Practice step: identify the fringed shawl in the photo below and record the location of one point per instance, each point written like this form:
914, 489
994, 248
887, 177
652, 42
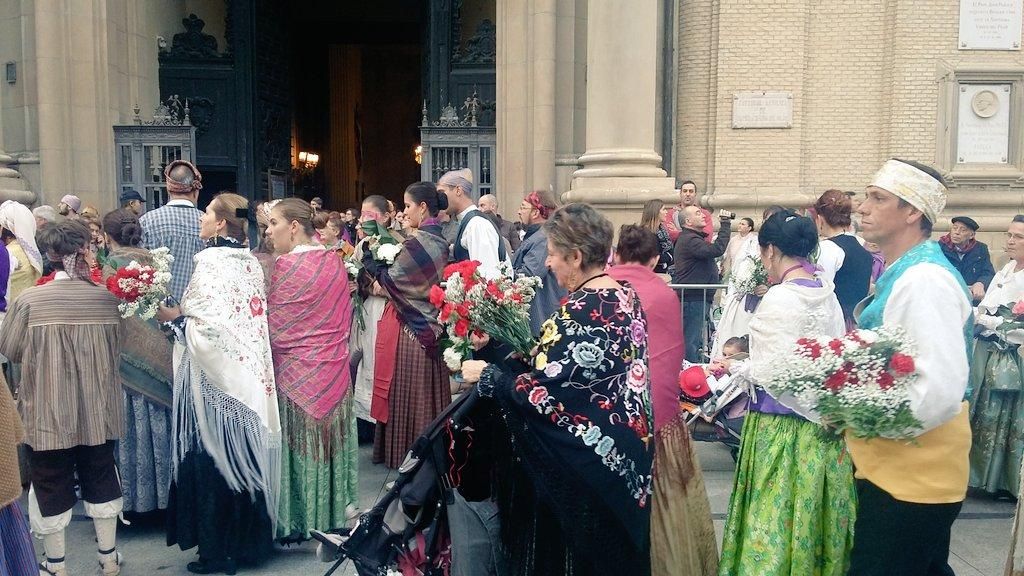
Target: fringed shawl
225, 401
310, 320
581, 426
416, 268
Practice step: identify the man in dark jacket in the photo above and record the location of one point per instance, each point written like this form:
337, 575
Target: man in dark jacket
968, 256
695, 264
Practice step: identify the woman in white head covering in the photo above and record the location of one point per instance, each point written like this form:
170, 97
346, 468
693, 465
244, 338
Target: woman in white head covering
18, 233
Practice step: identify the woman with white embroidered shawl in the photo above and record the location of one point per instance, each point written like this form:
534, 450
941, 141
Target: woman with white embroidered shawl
226, 425
19, 234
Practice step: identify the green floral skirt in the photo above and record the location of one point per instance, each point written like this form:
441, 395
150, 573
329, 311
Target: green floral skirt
793, 503
997, 419
319, 471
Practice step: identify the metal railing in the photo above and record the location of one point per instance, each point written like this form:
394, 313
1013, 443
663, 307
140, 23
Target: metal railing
698, 346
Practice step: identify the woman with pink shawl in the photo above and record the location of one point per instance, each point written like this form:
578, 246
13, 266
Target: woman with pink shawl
682, 535
310, 315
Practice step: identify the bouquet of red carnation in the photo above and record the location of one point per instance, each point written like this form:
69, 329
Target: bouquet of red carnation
468, 303
859, 383
141, 288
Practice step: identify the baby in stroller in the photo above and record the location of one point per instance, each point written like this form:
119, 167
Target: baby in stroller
715, 400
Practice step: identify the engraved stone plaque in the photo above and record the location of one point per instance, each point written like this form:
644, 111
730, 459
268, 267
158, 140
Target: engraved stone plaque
990, 24
762, 110
983, 124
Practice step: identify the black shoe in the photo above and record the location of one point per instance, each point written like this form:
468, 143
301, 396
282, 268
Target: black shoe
212, 567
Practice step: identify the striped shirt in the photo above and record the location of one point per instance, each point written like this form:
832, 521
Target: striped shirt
67, 336
176, 226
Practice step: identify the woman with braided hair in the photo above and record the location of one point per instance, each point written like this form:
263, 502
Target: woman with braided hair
144, 453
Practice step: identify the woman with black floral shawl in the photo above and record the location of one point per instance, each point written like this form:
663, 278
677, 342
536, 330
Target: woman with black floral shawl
576, 500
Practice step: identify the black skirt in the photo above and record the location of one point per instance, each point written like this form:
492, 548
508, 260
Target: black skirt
203, 511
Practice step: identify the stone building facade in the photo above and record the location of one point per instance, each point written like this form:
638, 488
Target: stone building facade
606, 101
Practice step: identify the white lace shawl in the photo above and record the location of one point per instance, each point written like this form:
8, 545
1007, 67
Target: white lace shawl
224, 389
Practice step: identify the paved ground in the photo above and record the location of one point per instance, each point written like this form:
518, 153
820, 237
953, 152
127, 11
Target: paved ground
980, 536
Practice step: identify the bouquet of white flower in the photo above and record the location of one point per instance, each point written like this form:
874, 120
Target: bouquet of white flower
859, 383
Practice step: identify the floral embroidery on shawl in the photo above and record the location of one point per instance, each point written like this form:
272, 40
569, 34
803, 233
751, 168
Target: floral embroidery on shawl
591, 380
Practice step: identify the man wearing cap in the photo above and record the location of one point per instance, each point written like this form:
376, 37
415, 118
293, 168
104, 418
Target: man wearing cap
132, 200
968, 256
477, 238
69, 205
910, 492
176, 224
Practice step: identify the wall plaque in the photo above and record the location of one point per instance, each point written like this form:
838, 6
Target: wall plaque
983, 124
990, 24
762, 110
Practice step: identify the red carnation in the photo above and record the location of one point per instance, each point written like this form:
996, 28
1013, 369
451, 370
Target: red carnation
493, 290
463, 309
446, 313
901, 364
436, 296
836, 381
811, 348
462, 328
885, 380
836, 345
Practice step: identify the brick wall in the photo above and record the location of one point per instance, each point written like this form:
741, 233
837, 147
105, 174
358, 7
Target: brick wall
865, 76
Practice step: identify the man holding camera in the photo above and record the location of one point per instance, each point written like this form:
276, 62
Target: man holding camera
695, 264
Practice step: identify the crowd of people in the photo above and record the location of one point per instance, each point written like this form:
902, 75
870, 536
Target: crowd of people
235, 415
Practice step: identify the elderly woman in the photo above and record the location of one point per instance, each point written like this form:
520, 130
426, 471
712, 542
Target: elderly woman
410, 383
310, 315
226, 426
682, 535
144, 453
997, 410
793, 502
577, 498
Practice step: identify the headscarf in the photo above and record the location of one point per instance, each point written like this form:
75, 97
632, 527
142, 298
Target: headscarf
459, 179
175, 187
914, 186
17, 218
534, 199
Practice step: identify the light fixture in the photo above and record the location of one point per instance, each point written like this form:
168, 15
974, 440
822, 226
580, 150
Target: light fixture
418, 153
308, 160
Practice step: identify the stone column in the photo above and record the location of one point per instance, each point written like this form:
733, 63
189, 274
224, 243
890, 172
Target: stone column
621, 168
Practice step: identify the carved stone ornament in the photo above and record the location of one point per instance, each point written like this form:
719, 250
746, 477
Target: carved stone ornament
482, 47
171, 112
985, 104
193, 44
202, 113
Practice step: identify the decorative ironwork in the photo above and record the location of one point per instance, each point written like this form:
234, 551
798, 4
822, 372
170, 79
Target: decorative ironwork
170, 112
472, 108
193, 44
450, 118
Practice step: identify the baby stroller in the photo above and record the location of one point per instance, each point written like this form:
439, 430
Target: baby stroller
407, 529
714, 415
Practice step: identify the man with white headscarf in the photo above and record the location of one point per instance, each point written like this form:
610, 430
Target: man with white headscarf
477, 238
18, 232
910, 492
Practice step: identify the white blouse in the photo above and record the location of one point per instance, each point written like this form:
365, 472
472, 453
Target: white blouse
1007, 287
